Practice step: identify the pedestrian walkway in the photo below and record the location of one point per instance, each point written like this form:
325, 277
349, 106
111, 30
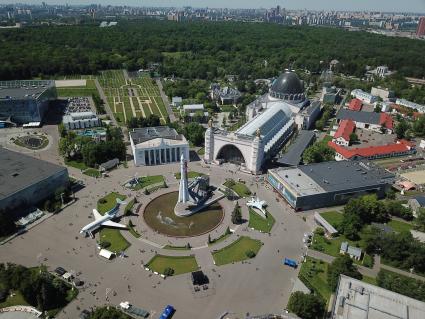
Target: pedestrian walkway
369, 272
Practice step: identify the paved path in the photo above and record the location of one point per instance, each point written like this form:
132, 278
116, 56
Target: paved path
166, 101
370, 272
260, 285
105, 100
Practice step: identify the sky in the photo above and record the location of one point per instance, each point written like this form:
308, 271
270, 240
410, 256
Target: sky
352, 5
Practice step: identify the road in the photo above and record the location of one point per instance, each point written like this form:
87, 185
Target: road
166, 101
105, 100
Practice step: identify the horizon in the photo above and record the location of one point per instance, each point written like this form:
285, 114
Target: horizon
410, 6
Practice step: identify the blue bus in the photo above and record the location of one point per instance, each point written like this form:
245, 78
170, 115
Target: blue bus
168, 312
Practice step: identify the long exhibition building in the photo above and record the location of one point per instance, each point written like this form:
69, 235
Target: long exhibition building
26, 101
271, 121
27, 181
329, 183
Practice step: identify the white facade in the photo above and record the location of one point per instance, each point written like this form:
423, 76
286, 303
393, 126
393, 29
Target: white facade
411, 105
159, 150
81, 120
254, 142
384, 94
364, 96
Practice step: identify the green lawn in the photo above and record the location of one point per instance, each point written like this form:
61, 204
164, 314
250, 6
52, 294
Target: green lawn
114, 237
400, 226
260, 223
218, 239
110, 202
190, 174
76, 164
133, 231
313, 274
170, 247
236, 251
92, 172
76, 91
201, 151
333, 217
148, 180
17, 300
239, 188
180, 264
333, 245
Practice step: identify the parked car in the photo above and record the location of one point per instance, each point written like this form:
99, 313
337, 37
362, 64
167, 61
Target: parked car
60, 271
168, 312
85, 314
290, 262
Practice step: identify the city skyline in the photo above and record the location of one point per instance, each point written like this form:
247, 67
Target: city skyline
417, 6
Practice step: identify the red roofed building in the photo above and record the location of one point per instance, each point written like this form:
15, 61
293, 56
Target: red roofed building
401, 148
386, 121
342, 135
355, 105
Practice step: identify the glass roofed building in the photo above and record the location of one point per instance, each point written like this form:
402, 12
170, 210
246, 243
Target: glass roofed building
256, 141
271, 119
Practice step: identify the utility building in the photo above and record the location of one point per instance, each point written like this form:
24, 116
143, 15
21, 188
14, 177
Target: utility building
26, 101
26, 181
329, 183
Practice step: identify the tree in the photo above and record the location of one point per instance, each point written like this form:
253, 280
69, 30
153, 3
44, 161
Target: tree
168, 271
62, 130
378, 108
194, 132
401, 129
306, 306
420, 219
342, 265
108, 313
236, 214
7, 225
353, 138
318, 152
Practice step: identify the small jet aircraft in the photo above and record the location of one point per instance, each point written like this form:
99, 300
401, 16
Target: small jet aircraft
105, 220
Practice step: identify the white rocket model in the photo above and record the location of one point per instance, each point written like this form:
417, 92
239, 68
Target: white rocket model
183, 188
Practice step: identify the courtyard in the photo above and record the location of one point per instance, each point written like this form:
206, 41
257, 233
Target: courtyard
260, 280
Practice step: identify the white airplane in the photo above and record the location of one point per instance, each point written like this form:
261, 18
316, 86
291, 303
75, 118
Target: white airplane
105, 220
258, 204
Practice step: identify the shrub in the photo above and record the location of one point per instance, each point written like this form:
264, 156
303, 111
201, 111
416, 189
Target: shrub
168, 271
105, 244
250, 254
319, 231
102, 201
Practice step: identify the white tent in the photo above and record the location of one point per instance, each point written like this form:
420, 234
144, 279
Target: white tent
106, 254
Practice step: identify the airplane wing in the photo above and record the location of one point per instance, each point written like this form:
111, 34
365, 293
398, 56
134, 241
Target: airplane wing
110, 223
96, 214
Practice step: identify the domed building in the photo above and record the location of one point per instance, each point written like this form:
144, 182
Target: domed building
288, 87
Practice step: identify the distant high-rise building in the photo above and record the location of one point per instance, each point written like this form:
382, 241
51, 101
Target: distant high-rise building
420, 31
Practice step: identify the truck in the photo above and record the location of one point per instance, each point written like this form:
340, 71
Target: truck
290, 262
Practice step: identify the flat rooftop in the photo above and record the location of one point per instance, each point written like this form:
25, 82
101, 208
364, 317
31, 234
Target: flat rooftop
295, 151
16, 90
358, 300
18, 171
140, 135
333, 176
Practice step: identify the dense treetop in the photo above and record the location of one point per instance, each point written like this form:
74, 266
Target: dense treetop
202, 50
